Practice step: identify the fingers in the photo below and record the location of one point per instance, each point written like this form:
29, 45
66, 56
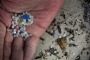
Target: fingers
5, 18
17, 49
2, 35
30, 47
7, 46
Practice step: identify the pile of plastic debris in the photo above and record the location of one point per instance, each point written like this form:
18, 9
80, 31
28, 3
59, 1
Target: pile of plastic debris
20, 22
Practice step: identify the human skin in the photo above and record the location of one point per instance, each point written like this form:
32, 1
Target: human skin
43, 11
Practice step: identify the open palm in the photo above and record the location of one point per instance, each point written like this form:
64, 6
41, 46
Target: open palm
43, 12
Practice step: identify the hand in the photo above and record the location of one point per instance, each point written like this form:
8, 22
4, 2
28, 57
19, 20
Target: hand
43, 12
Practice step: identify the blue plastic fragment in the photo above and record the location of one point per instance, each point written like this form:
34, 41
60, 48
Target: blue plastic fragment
25, 17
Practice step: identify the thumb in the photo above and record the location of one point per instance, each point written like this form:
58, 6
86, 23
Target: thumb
19, 5
2, 35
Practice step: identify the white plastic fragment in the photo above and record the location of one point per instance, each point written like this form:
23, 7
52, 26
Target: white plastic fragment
14, 31
55, 51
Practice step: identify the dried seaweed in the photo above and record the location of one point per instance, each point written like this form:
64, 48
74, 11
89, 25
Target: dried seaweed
82, 26
40, 55
63, 15
69, 30
78, 57
72, 45
42, 39
59, 29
